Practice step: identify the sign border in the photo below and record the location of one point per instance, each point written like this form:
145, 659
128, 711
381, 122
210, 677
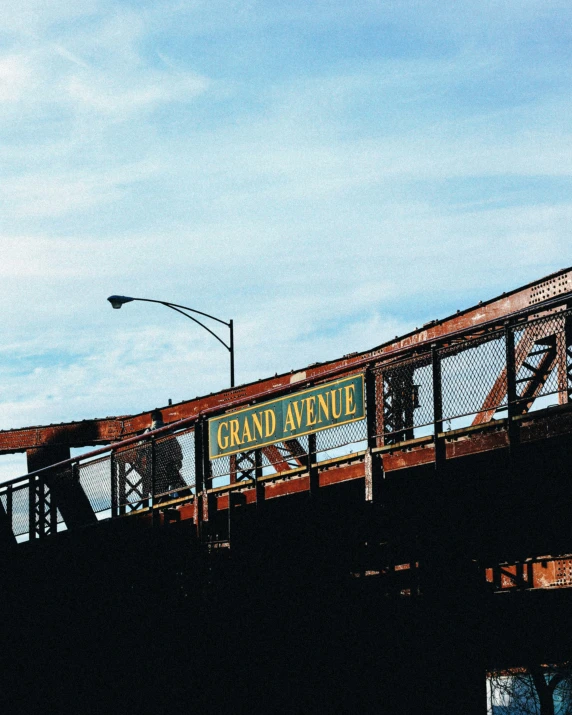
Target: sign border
280, 399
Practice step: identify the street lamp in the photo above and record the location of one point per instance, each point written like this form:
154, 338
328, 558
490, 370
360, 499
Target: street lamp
118, 300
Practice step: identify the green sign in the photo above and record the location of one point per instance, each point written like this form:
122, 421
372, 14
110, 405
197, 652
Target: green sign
329, 405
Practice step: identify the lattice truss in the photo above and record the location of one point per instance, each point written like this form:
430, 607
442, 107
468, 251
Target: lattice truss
132, 481
44, 512
404, 398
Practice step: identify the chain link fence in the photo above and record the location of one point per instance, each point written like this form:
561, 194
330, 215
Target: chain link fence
155, 470
479, 376
473, 377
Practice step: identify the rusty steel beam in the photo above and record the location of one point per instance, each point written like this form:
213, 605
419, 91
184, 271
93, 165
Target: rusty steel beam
545, 572
103, 431
276, 458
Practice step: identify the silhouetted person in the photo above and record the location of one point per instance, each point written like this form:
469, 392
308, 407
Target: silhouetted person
135, 468
168, 462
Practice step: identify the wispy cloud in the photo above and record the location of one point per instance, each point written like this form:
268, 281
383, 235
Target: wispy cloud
327, 174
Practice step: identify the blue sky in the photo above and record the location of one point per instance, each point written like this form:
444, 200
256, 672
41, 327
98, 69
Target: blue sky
328, 174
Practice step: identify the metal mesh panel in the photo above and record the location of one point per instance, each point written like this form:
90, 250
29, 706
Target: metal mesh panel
473, 377
187, 443
169, 459
331, 440
220, 467
95, 478
20, 514
407, 389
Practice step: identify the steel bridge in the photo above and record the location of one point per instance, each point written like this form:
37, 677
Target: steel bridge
431, 535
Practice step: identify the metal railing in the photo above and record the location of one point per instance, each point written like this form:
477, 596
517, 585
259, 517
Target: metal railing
496, 370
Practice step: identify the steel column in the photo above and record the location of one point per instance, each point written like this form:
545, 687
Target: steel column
437, 407
372, 461
511, 392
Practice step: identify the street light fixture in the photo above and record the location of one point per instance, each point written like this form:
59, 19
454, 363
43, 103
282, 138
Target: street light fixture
118, 300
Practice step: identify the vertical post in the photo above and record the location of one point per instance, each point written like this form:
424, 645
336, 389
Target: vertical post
32, 507
511, 393
202, 469
113, 478
231, 326
260, 493
371, 461
206, 471
9, 504
122, 487
312, 466
371, 408
53, 516
6, 527
440, 453
41, 507
199, 480
565, 362
153, 481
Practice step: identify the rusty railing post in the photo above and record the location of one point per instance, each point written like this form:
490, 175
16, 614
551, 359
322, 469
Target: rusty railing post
31, 507
439, 442
313, 474
154, 516
511, 393
9, 505
260, 493
53, 514
372, 462
113, 478
199, 475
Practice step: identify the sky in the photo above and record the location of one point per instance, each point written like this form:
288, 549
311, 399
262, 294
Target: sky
327, 174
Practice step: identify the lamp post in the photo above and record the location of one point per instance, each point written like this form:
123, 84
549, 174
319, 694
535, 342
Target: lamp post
118, 300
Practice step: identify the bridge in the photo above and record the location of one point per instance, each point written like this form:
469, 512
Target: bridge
369, 534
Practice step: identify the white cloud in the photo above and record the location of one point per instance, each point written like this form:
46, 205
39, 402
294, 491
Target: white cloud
15, 78
119, 97
325, 208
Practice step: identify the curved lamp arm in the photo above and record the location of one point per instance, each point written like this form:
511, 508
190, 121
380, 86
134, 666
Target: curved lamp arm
118, 300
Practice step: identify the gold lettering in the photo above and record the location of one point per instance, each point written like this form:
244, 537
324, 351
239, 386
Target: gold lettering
246, 436
289, 422
299, 413
324, 407
257, 425
350, 399
270, 418
234, 438
222, 442
310, 411
337, 414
